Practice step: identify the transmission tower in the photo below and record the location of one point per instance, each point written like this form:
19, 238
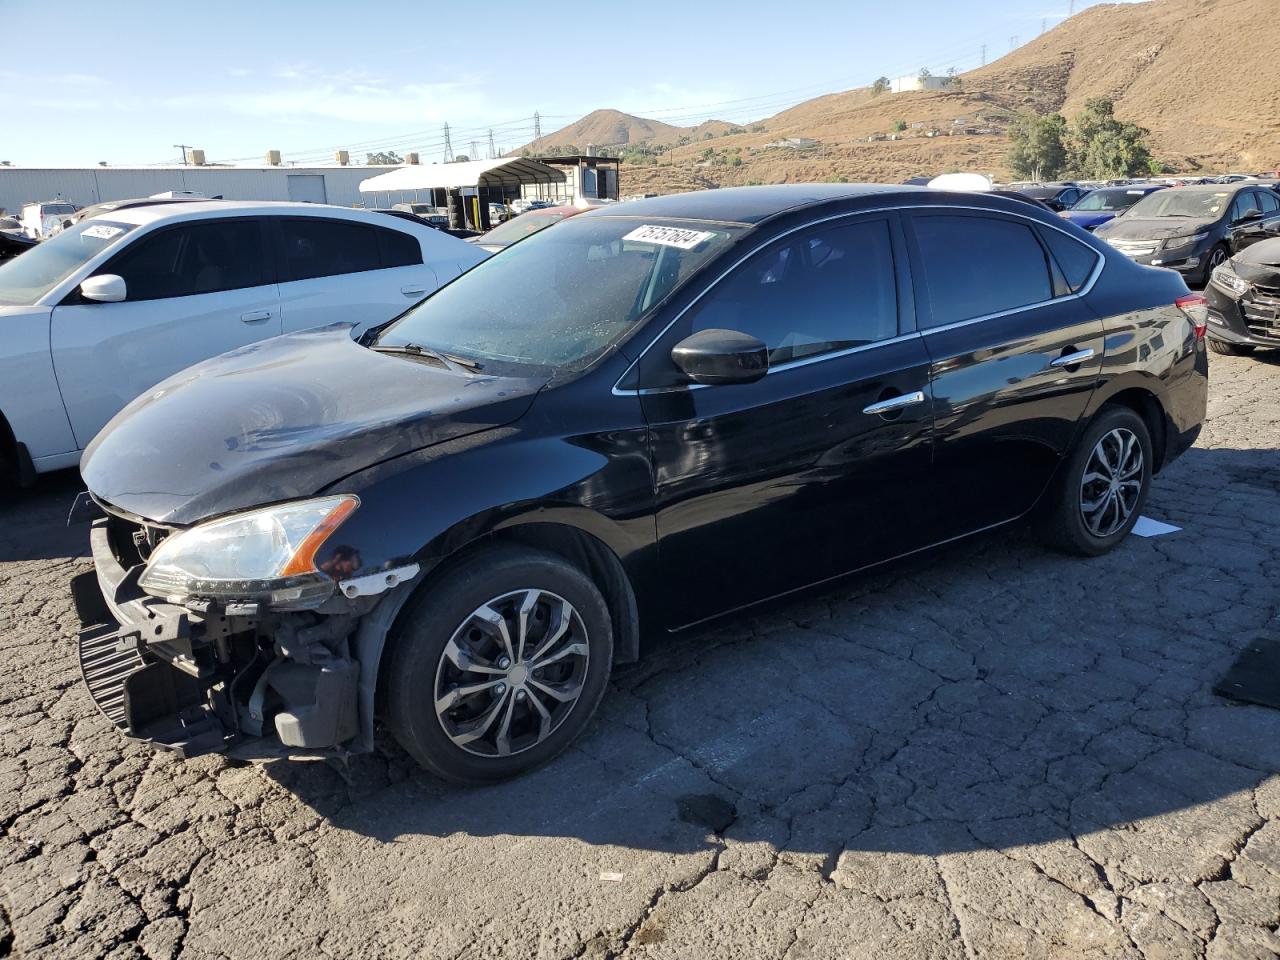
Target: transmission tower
475, 154
448, 146
1071, 8
1044, 24
1013, 43
537, 125
984, 54
492, 154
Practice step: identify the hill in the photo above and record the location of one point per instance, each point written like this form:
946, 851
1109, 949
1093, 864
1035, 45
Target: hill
1196, 73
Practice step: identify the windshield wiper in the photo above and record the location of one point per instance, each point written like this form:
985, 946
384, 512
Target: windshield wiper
417, 350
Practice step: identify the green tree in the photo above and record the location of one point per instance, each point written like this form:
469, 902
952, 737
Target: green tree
953, 79
925, 74
461, 158
383, 159
1037, 149
880, 86
1100, 146
735, 161
899, 126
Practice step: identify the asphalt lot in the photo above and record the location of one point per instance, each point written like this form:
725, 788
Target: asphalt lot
992, 752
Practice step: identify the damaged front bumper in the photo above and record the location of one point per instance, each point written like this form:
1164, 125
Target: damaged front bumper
209, 678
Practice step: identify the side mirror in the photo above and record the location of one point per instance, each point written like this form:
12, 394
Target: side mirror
1253, 213
105, 288
721, 356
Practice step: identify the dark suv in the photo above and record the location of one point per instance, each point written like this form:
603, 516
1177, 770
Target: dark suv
1195, 229
654, 414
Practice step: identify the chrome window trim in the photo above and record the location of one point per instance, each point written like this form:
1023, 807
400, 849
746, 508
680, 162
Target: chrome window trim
1099, 266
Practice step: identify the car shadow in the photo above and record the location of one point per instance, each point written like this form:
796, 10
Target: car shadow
989, 695
33, 521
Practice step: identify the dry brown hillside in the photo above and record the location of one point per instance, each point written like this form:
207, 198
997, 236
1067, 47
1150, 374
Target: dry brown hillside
1202, 75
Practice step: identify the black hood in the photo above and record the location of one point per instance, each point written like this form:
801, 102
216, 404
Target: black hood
1153, 228
282, 419
1259, 263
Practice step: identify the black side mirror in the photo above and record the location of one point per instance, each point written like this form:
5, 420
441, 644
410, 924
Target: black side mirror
721, 356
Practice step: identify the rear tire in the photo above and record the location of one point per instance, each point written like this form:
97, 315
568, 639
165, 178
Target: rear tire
1230, 349
1101, 488
473, 707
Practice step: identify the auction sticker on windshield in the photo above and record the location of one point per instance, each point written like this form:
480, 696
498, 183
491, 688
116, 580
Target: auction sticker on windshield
100, 231
669, 236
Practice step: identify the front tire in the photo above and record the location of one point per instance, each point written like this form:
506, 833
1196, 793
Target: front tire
499, 665
1230, 349
1101, 488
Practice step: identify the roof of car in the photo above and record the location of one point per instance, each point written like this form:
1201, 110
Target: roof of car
753, 204
195, 208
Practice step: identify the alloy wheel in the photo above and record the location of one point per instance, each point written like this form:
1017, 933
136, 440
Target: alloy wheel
1112, 482
511, 673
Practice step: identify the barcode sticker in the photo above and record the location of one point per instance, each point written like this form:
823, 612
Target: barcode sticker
669, 236
100, 231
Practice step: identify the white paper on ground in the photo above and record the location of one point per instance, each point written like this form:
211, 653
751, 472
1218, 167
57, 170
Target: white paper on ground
1146, 527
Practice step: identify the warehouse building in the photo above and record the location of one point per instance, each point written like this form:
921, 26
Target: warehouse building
85, 185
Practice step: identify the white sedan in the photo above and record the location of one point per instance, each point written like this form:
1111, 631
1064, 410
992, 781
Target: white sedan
100, 313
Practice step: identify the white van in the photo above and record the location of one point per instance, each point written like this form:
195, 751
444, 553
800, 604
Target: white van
38, 219
111, 306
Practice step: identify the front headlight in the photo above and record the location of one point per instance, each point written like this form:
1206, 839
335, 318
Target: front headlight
1181, 243
266, 555
1228, 279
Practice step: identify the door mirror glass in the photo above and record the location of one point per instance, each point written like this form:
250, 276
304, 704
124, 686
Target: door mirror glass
721, 356
104, 288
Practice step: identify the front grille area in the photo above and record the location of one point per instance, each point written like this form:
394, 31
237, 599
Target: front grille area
106, 661
1261, 312
1135, 248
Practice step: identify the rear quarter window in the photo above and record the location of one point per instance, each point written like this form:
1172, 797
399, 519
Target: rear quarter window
1075, 260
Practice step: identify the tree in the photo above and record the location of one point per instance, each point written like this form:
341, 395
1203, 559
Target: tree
880, 86
461, 158
925, 74
899, 126
383, 159
1037, 150
1101, 147
953, 79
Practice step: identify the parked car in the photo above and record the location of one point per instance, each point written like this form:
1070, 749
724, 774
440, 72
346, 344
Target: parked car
1055, 196
13, 239
1244, 300
434, 221
499, 238
647, 416
38, 219
108, 308
1195, 229
109, 206
1105, 204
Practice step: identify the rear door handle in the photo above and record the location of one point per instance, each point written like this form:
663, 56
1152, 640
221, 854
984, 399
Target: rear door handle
255, 316
893, 404
413, 290
1072, 359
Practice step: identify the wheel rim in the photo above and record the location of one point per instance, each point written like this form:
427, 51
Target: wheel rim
1112, 482
1217, 258
511, 673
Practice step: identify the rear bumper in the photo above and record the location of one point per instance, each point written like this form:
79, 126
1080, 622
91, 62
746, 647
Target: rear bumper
211, 682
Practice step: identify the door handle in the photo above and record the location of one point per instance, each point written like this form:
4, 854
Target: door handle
413, 291
255, 316
894, 404
1072, 359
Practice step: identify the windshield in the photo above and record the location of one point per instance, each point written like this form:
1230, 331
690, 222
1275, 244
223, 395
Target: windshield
563, 296
521, 227
25, 279
1201, 204
1109, 200
53, 209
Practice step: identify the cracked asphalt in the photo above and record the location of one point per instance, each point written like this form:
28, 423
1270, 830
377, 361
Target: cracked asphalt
990, 752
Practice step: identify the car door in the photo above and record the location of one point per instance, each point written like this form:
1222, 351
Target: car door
1014, 352
765, 487
1247, 223
347, 271
192, 291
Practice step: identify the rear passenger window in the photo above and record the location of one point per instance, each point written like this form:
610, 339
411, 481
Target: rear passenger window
977, 266
326, 248
1270, 203
1074, 259
821, 291
399, 249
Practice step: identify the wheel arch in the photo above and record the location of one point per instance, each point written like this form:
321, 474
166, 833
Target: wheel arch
1147, 405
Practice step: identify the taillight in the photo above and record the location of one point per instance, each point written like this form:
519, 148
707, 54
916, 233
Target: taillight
1196, 307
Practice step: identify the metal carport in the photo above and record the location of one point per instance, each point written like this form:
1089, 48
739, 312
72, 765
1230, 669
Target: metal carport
484, 180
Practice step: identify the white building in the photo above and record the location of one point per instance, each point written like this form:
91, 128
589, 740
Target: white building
916, 82
85, 185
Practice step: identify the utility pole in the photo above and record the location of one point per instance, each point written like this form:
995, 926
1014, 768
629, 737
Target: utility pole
185, 147
1044, 24
1013, 43
1071, 8
492, 154
448, 146
984, 54
537, 125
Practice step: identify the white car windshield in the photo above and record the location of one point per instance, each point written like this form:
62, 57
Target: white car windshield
561, 297
27, 278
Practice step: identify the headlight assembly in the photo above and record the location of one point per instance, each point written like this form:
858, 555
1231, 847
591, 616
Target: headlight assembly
266, 555
1181, 243
1227, 278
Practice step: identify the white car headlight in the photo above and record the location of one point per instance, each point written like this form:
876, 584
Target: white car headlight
1227, 278
1178, 243
266, 555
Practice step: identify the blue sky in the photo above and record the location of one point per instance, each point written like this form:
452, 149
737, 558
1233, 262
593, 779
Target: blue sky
125, 80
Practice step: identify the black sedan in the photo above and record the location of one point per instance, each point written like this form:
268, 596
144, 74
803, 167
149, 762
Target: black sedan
1194, 230
656, 413
1244, 301
1056, 196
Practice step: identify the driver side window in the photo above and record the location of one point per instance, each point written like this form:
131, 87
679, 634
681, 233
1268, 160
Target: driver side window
816, 292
